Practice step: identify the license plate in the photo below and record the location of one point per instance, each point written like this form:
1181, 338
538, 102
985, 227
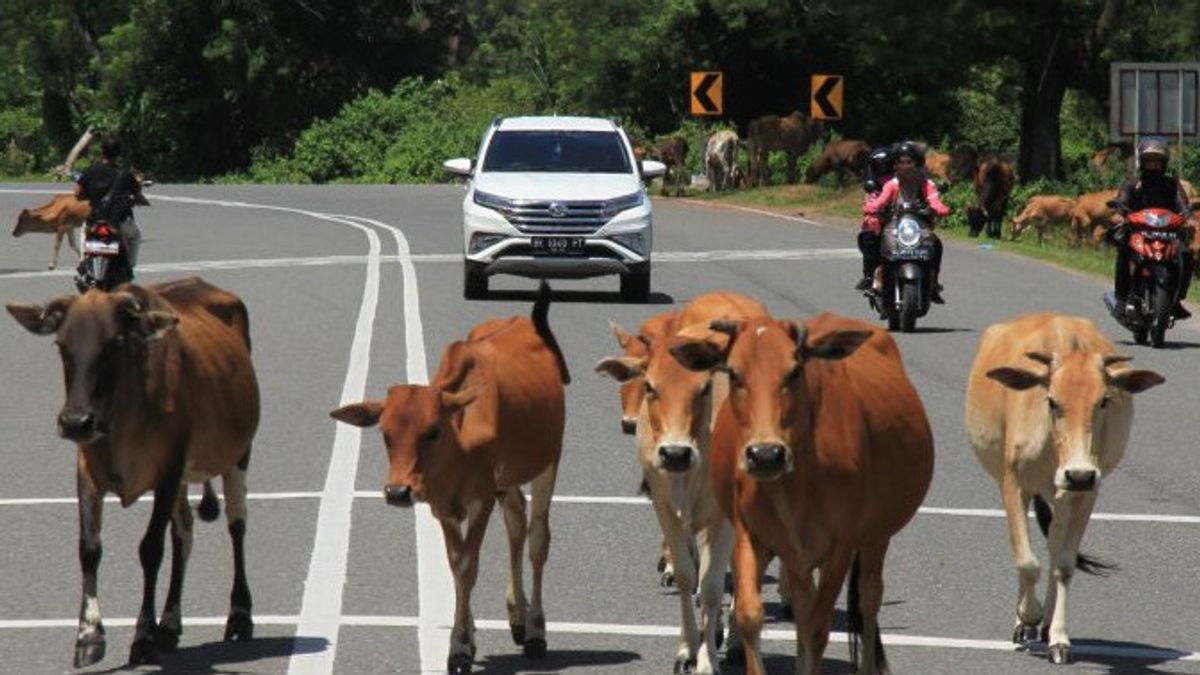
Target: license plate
558, 245
96, 247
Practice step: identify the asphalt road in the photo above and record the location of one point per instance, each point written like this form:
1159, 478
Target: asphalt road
369, 596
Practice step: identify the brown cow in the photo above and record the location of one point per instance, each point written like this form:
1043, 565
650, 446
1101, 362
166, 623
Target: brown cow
937, 165
1048, 415
60, 217
821, 454
993, 185
674, 426
792, 134
673, 153
160, 391
1089, 218
1040, 211
491, 420
846, 157
1114, 157
637, 347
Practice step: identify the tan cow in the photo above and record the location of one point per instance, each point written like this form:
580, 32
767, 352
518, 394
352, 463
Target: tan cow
674, 425
1089, 218
848, 158
1049, 409
637, 346
60, 217
1040, 211
160, 390
821, 454
491, 420
937, 165
792, 134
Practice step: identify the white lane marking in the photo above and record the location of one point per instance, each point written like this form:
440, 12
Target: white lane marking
644, 630
639, 501
762, 212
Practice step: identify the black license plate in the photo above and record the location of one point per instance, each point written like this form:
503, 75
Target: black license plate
558, 245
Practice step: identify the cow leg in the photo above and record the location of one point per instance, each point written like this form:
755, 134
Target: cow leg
150, 552
716, 546
666, 566
89, 644
463, 553
541, 490
748, 564
513, 503
678, 535
812, 633
870, 600
791, 168
58, 237
239, 626
1066, 534
170, 624
1016, 506
72, 233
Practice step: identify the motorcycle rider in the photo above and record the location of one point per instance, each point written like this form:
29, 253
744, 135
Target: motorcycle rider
909, 162
879, 172
1151, 187
112, 192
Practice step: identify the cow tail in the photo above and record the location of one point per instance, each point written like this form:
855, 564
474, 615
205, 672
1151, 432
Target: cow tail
1084, 563
854, 616
209, 507
541, 307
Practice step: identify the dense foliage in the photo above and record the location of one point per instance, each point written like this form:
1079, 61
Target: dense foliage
377, 90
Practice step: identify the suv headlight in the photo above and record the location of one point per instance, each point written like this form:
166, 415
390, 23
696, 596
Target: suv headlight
492, 201
632, 241
614, 206
908, 232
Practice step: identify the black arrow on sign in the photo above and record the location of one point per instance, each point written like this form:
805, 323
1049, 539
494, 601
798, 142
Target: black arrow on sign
821, 96
701, 93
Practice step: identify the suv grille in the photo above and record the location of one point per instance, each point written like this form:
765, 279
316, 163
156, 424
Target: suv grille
565, 218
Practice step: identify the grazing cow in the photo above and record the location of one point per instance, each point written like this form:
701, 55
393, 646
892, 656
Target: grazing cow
1048, 416
673, 430
993, 185
846, 157
160, 391
1114, 156
821, 454
1091, 211
792, 134
937, 165
1040, 211
720, 160
60, 217
491, 420
672, 152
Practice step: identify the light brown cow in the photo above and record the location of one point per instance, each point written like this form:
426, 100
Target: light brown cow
637, 347
1048, 415
937, 165
792, 134
846, 157
160, 390
1091, 211
720, 160
674, 426
821, 454
491, 420
1040, 212
60, 217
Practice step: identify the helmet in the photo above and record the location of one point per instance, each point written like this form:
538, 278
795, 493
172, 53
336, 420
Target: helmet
880, 161
911, 150
1153, 146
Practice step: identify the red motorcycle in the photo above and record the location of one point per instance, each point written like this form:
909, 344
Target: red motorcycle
1157, 239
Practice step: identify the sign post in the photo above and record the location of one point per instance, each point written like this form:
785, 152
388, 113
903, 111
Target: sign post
1158, 99
706, 95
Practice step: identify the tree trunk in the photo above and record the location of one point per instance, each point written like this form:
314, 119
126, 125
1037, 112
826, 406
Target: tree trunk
1041, 141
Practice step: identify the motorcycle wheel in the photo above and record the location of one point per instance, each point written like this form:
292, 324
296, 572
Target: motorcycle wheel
910, 304
1162, 316
893, 322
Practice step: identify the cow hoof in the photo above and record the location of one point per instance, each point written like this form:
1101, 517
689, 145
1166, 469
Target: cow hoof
50, 266
89, 650
239, 627
667, 579
1026, 632
458, 664
735, 655
684, 666
1059, 654
535, 648
166, 638
518, 634
662, 564
143, 652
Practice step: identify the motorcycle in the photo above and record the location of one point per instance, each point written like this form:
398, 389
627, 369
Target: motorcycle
103, 263
1156, 240
907, 248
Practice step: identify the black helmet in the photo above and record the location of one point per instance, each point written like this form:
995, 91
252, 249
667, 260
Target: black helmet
1153, 146
911, 150
880, 161
110, 146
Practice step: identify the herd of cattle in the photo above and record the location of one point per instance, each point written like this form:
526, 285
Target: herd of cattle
759, 438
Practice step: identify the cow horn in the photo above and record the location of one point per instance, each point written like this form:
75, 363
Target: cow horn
801, 336
1044, 358
726, 326
1113, 359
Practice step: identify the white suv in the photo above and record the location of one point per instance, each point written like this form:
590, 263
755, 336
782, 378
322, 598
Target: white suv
556, 197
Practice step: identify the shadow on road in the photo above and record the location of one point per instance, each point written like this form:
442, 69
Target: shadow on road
217, 656
934, 330
1171, 345
1100, 652
595, 297
556, 661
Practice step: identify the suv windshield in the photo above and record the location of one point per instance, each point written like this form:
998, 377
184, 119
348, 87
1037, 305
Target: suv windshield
557, 152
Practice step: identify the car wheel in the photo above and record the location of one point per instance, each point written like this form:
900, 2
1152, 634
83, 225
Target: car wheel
635, 286
475, 281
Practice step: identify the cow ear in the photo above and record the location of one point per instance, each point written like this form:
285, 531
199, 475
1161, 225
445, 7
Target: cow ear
832, 346
622, 335
41, 320
155, 323
621, 368
1136, 381
477, 398
1017, 379
697, 354
364, 414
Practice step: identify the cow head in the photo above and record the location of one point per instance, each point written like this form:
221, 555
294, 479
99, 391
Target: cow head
428, 428
764, 359
1084, 392
23, 221
636, 348
676, 407
111, 349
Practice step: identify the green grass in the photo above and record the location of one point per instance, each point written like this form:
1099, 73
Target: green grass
26, 178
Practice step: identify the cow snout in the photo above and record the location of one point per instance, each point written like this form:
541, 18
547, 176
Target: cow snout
766, 460
675, 458
398, 495
77, 426
1080, 480
628, 426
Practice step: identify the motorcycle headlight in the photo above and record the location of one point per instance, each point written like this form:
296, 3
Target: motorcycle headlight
908, 232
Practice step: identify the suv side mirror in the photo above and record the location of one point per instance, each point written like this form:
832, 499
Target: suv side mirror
460, 166
652, 169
